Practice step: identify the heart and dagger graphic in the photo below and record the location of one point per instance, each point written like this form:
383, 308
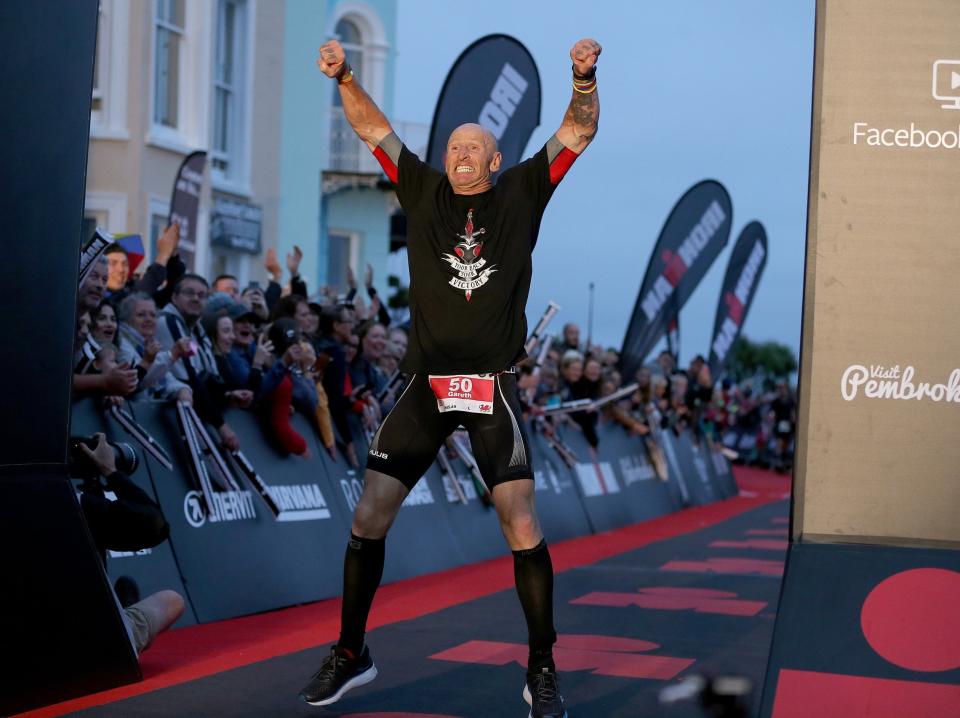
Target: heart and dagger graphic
466, 260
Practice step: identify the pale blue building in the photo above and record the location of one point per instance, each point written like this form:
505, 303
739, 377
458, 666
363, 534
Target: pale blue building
335, 202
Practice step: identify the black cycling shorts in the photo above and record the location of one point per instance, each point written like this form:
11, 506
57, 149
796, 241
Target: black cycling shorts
411, 435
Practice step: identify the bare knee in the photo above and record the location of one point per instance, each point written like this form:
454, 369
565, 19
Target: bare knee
369, 521
521, 528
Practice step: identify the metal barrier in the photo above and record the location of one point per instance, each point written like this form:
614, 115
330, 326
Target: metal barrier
238, 558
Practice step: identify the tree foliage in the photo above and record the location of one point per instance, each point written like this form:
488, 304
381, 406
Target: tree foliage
770, 358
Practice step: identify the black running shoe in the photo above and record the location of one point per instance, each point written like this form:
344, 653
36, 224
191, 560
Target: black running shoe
338, 674
543, 695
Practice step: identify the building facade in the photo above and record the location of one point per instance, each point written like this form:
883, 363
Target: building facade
237, 78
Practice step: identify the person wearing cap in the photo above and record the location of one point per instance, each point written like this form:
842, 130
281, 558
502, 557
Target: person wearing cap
220, 318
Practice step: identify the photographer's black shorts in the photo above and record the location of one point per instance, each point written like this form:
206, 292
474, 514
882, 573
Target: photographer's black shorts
410, 436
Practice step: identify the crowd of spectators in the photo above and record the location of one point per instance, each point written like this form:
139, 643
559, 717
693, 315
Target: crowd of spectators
170, 335
753, 421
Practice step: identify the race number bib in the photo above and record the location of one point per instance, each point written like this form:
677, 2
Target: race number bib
463, 392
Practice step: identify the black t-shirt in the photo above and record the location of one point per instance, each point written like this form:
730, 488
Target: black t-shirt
470, 265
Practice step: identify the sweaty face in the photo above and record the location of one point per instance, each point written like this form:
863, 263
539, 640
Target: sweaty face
471, 159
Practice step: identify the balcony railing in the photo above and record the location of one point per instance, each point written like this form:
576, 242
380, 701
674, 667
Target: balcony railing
349, 154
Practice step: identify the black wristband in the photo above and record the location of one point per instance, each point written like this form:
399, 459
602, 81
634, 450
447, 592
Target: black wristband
584, 78
344, 70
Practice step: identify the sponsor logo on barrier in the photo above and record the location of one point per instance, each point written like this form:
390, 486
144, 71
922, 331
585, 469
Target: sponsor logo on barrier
419, 496
469, 490
880, 382
303, 502
597, 479
546, 479
506, 94
700, 466
227, 506
635, 469
946, 90
352, 491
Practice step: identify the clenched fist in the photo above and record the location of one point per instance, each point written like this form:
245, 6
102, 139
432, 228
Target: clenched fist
331, 59
584, 55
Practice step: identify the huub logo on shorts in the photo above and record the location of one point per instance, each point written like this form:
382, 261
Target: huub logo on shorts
466, 261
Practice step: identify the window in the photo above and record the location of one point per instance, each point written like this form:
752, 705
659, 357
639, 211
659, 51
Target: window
352, 41
363, 37
168, 40
343, 252
108, 106
228, 88
100, 65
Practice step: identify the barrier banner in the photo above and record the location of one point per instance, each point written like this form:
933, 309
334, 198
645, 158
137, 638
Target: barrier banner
693, 481
240, 559
597, 483
746, 264
419, 541
646, 495
494, 83
153, 568
475, 527
691, 239
721, 474
560, 508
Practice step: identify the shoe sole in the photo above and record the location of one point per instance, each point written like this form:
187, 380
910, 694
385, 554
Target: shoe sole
358, 680
529, 699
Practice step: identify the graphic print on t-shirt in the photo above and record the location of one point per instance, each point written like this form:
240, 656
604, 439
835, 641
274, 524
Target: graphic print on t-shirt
467, 262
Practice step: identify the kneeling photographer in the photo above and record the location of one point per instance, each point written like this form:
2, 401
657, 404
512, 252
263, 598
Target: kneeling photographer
123, 517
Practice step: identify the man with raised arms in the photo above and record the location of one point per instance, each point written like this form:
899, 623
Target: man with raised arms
469, 248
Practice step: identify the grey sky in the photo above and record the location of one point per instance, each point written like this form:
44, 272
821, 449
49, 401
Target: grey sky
689, 90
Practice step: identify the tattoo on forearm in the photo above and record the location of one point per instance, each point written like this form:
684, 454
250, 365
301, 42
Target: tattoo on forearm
583, 112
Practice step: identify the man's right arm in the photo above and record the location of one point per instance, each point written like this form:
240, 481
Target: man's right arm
367, 120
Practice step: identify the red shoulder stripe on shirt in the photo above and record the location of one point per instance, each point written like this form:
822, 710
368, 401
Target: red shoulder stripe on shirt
561, 163
388, 165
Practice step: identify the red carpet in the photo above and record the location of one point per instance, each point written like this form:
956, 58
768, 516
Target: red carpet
190, 653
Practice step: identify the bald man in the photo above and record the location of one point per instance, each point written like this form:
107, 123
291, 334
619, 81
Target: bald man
469, 247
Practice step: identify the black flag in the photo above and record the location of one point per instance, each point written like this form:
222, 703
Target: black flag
185, 201
747, 261
692, 237
494, 83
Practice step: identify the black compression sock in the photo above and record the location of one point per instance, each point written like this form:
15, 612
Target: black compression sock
533, 573
362, 571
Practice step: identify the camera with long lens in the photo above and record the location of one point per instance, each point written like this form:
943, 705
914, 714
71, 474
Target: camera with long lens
81, 466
